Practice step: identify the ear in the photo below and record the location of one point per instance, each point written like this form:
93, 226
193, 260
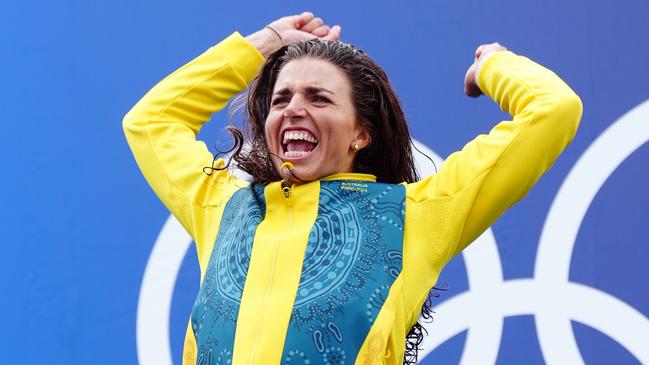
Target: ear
362, 138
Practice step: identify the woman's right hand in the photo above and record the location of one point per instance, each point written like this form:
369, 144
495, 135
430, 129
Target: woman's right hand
291, 29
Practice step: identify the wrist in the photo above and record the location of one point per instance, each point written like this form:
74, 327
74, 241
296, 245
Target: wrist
481, 61
266, 41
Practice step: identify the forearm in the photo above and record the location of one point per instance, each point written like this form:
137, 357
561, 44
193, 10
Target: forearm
266, 41
522, 87
189, 95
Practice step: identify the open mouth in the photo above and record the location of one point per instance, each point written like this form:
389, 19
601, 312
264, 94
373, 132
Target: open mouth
298, 143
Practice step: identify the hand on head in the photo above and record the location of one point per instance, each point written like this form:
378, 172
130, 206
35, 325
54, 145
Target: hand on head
470, 86
291, 29
304, 26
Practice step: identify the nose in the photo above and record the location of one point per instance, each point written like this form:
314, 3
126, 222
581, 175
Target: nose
295, 107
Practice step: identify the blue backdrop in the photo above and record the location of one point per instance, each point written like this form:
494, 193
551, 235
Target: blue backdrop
560, 278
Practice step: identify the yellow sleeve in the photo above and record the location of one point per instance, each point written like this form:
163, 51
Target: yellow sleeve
498, 169
161, 131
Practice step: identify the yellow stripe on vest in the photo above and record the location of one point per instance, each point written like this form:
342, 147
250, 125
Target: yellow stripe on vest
274, 273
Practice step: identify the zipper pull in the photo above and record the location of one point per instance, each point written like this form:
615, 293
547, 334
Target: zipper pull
286, 189
286, 184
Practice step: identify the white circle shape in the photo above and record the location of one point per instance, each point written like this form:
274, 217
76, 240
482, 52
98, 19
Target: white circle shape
156, 294
550, 296
618, 320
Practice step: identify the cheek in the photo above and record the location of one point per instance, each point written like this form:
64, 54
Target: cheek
270, 128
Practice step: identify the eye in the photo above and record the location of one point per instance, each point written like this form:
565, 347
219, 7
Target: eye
279, 100
321, 99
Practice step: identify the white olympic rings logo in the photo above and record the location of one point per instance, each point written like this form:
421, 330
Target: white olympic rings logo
490, 299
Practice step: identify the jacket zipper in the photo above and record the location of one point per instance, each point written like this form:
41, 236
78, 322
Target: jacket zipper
287, 190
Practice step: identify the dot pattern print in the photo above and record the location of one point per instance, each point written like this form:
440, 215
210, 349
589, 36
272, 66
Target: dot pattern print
216, 308
353, 256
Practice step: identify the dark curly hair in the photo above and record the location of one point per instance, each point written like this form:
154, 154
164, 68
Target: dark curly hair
377, 107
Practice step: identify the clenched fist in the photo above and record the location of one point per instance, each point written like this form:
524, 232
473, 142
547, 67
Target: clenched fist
291, 29
470, 86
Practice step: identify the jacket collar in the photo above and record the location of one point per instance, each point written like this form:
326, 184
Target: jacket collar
350, 176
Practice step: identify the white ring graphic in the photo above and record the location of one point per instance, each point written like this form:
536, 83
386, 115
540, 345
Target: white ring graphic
568, 301
156, 293
628, 327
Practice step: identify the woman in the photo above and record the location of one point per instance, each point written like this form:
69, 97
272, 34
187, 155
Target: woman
329, 255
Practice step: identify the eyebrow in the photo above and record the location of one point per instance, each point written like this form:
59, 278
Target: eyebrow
309, 90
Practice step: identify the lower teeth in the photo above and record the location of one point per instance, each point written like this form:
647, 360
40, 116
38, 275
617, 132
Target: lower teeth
294, 154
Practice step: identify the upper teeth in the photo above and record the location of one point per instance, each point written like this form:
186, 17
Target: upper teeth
297, 136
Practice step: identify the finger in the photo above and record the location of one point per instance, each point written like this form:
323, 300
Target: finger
478, 52
501, 47
321, 31
302, 19
311, 25
470, 87
494, 47
334, 33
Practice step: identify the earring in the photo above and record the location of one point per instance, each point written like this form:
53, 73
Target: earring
356, 147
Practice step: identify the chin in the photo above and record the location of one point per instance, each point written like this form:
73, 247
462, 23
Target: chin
305, 168
304, 174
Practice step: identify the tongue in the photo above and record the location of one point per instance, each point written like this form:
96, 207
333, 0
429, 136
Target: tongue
300, 146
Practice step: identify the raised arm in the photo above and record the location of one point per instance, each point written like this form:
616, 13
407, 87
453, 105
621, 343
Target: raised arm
494, 171
161, 128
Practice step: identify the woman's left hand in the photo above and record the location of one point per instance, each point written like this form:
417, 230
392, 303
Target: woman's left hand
470, 86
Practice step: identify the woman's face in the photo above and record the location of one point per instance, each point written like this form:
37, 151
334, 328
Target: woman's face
312, 121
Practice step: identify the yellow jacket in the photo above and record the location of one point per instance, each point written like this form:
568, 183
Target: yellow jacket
338, 272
